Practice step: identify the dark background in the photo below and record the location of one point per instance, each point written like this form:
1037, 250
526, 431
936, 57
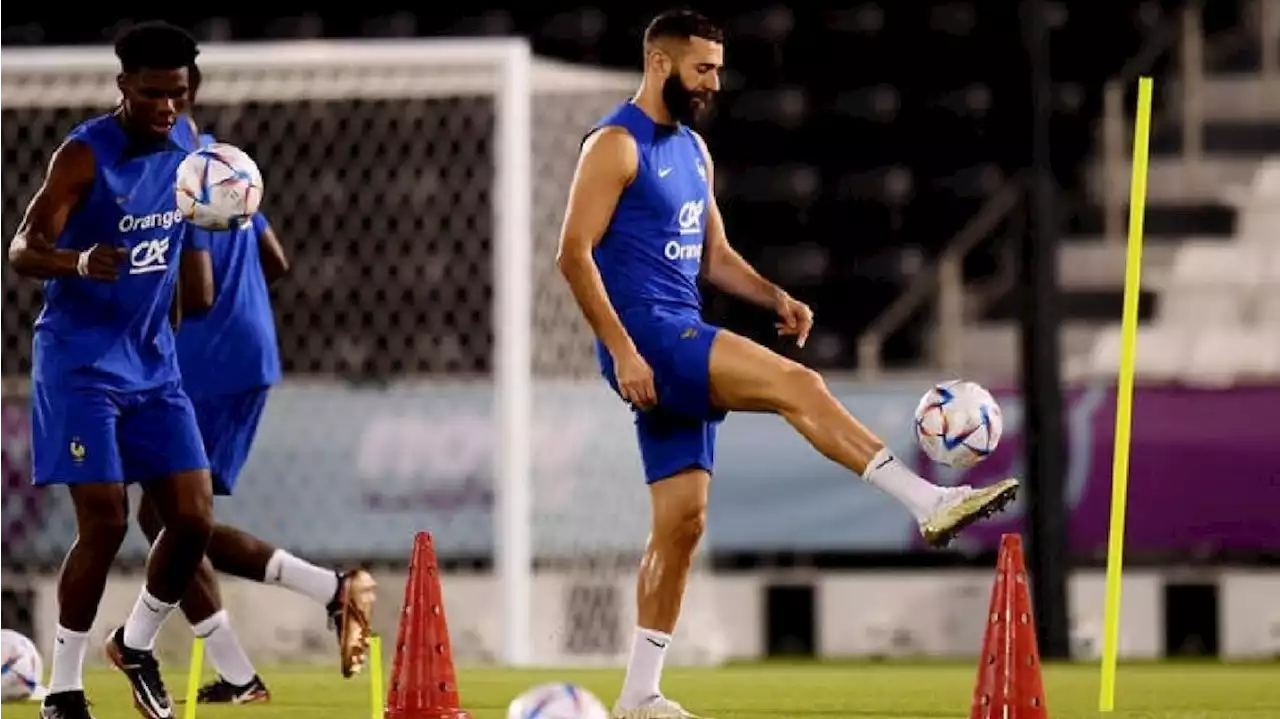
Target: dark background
853, 141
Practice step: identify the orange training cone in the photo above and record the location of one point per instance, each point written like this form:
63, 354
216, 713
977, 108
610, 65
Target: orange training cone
423, 683
1009, 682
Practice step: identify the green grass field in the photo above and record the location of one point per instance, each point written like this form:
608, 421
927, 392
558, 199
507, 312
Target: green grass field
830, 691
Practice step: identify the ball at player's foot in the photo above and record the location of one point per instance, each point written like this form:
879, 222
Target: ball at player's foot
958, 423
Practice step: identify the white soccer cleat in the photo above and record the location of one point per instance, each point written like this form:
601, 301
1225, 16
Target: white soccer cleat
655, 707
964, 505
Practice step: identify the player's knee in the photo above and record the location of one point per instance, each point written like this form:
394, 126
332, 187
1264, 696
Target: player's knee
801, 386
192, 513
194, 522
683, 524
102, 516
105, 533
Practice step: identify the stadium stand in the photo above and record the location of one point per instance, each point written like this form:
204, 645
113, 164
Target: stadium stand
843, 185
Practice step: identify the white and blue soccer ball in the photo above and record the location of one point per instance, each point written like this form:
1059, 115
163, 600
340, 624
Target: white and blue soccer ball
218, 187
557, 701
958, 423
22, 667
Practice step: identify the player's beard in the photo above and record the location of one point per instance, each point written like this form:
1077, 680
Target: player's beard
685, 105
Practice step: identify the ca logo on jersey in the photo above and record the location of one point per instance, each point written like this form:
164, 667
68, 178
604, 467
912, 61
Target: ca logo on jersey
689, 218
149, 256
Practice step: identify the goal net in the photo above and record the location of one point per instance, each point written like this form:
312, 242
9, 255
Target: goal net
438, 375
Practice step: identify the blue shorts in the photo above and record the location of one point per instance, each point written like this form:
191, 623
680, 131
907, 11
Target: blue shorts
82, 435
229, 423
680, 432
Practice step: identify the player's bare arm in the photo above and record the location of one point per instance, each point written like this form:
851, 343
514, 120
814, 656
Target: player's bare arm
727, 270
195, 281
275, 263
608, 163
175, 305
32, 252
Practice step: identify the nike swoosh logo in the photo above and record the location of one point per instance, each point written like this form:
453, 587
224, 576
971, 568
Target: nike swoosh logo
245, 695
664, 172
656, 643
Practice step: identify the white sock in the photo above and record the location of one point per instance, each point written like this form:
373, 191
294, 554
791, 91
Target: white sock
225, 653
301, 576
67, 670
644, 670
144, 622
915, 493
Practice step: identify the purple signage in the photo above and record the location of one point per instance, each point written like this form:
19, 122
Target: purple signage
1204, 471
23, 504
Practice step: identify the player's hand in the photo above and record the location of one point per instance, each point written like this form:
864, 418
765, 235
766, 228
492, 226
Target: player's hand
795, 319
101, 262
635, 379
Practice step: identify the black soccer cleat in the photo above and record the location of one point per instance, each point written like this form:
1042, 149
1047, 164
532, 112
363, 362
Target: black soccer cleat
150, 697
65, 705
221, 691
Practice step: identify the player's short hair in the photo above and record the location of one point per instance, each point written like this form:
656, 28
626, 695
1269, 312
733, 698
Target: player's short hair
156, 45
193, 81
682, 25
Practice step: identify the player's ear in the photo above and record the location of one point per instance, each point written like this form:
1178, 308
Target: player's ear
121, 80
660, 62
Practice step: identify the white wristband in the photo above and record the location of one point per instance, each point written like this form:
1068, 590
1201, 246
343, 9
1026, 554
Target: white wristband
82, 262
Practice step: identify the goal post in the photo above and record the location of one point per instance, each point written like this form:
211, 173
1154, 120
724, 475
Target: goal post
428, 343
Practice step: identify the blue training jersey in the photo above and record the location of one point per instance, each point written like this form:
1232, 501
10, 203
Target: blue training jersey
651, 253
116, 335
232, 347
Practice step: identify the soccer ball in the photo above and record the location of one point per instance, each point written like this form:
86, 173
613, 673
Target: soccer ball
22, 668
958, 423
557, 701
218, 187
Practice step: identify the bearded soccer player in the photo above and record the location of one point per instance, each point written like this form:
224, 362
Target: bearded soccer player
229, 358
642, 226
104, 233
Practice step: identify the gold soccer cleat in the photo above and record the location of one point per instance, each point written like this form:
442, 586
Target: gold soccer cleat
350, 613
966, 506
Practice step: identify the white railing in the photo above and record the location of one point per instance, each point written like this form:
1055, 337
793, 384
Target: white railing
1188, 33
1269, 25
944, 282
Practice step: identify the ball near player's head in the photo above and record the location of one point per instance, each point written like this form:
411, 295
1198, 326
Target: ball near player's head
154, 80
683, 54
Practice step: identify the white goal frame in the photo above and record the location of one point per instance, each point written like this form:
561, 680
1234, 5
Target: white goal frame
505, 69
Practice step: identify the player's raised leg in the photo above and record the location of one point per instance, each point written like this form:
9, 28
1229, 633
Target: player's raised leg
229, 422
746, 376
347, 597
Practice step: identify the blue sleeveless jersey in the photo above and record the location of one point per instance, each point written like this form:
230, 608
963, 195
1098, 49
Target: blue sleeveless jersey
116, 335
651, 253
232, 347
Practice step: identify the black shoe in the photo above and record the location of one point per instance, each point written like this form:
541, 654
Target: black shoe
65, 705
221, 691
150, 697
